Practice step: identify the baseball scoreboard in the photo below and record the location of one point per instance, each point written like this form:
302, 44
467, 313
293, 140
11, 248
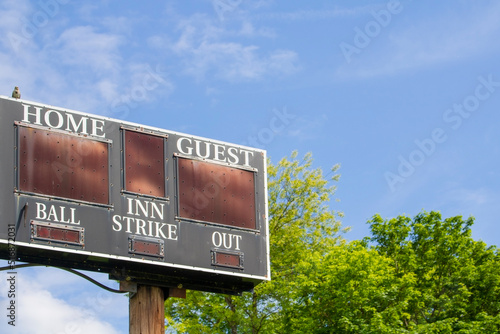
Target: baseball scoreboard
138, 202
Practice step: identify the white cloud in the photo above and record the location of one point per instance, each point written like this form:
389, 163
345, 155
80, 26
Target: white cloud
87, 49
38, 311
81, 68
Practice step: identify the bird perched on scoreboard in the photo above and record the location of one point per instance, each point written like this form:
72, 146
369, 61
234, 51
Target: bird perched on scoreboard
16, 93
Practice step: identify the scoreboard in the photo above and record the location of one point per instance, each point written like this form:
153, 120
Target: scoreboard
138, 202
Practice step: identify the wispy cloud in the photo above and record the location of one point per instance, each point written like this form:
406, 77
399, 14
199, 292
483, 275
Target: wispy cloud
236, 62
308, 15
455, 35
88, 49
82, 67
207, 49
89, 58
470, 200
308, 128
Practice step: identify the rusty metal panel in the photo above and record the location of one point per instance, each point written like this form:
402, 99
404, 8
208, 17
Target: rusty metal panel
68, 235
144, 164
147, 246
61, 165
215, 193
226, 259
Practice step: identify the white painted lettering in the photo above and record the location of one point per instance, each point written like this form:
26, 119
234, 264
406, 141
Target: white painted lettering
60, 119
36, 114
144, 208
129, 202
144, 227
237, 241
216, 236
40, 211
217, 152
63, 211
117, 223
63, 120
59, 215
159, 230
198, 149
232, 154
140, 225
172, 232
52, 213
158, 208
129, 220
188, 150
226, 240
98, 125
150, 227
70, 120
247, 153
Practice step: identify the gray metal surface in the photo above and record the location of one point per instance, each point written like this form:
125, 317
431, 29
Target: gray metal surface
141, 203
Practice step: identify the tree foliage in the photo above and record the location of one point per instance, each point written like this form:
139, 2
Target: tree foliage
456, 279
414, 275
420, 275
301, 224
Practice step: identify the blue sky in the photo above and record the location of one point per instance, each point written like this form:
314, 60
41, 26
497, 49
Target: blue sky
405, 96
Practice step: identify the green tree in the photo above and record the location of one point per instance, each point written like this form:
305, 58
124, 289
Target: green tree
412, 275
349, 290
456, 280
302, 226
420, 275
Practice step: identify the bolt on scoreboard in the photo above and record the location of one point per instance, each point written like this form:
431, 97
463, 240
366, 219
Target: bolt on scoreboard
140, 203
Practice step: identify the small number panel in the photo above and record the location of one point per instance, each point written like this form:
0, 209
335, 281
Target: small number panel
146, 246
215, 193
62, 165
227, 259
67, 235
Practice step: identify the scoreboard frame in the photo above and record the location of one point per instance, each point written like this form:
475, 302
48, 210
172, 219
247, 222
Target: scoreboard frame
140, 203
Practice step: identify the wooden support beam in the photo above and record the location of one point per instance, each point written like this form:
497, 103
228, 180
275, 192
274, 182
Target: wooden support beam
147, 310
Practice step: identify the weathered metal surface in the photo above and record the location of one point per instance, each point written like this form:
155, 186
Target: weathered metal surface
227, 259
57, 164
215, 193
148, 247
56, 233
144, 167
144, 204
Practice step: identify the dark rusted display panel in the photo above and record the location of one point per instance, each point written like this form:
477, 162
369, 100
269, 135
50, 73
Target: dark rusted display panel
144, 164
56, 164
55, 233
227, 259
215, 193
148, 247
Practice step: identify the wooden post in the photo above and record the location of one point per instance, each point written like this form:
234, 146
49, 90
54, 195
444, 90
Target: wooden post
147, 311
